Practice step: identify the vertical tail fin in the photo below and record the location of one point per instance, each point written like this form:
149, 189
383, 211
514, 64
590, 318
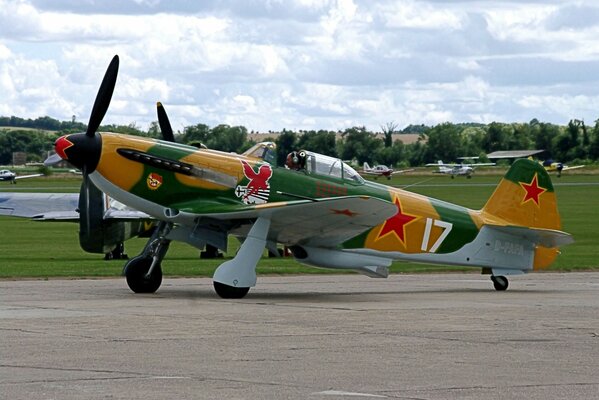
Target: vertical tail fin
366, 166
525, 198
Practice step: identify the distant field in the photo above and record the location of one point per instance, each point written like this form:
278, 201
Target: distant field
37, 249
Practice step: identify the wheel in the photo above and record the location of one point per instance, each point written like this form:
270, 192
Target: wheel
500, 282
230, 292
135, 272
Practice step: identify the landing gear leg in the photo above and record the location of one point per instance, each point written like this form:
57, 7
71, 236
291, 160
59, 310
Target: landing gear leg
117, 254
143, 273
211, 252
500, 282
233, 278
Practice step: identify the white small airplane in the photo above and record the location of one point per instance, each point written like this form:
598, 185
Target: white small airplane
6, 175
466, 169
382, 170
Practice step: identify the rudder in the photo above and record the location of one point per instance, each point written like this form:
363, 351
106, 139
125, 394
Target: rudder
525, 197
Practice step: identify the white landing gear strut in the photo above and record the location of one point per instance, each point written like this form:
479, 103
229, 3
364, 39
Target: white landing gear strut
233, 278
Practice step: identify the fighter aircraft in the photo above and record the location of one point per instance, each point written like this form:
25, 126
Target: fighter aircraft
466, 169
382, 170
7, 175
323, 210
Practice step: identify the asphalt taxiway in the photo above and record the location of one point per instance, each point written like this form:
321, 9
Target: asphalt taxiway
303, 337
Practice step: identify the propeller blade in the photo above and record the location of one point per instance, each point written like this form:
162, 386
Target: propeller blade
52, 160
165, 125
103, 97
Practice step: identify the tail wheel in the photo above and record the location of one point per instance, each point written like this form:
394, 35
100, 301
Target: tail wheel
500, 282
136, 272
230, 292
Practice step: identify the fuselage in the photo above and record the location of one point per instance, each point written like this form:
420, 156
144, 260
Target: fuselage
133, 170
6, 175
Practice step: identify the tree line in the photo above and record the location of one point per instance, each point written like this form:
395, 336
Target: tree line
574, 142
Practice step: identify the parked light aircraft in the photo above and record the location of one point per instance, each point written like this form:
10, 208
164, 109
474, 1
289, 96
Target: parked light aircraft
558, 167
7, 175
549, 165
382, 170
466, 169
323, 211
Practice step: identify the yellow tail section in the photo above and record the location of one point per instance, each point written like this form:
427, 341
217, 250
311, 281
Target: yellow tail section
525, 197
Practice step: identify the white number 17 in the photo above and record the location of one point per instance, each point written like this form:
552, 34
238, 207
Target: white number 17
447, 226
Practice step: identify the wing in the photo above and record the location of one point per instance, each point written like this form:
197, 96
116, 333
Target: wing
402, 171
371, 172
566, 168
38, 205
325, 222
57, 207
28, 176
480, 165
443, 165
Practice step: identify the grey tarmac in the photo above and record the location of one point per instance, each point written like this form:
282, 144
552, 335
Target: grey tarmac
442, 336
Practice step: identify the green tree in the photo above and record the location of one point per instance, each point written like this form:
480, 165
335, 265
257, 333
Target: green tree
545, 138
594, 142
286, 143
392, 156
322, 142
444, 143
196, 133
496, 138
227, 138
360, 144
388, 130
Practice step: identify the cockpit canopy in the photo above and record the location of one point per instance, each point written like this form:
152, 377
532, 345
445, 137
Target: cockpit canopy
319, 164
310, 162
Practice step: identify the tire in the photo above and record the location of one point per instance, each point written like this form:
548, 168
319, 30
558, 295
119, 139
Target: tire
230, 292
135, 272
500, 283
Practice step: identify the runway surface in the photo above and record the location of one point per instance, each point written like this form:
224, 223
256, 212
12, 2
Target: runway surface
303, 337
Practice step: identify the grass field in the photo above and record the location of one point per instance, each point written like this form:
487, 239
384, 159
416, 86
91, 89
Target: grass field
39, 250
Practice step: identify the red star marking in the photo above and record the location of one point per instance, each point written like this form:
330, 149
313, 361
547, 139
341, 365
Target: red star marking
347, 212
397, 224
533, 190
61, 146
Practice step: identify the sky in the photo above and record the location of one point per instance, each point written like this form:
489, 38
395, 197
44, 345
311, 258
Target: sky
303, 64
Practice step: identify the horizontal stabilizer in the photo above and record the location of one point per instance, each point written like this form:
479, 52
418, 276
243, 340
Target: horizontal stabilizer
542, 237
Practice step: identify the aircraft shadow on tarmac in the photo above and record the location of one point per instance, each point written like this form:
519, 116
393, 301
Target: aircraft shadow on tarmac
206, 293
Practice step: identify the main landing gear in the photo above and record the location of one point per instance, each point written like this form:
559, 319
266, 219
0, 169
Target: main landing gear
233, 278
143, 272
499, 282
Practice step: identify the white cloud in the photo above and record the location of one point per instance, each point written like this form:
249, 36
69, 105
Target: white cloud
304, 64
419, 15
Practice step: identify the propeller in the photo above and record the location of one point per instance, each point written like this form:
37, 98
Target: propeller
83, 149
103, 97
165, 125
